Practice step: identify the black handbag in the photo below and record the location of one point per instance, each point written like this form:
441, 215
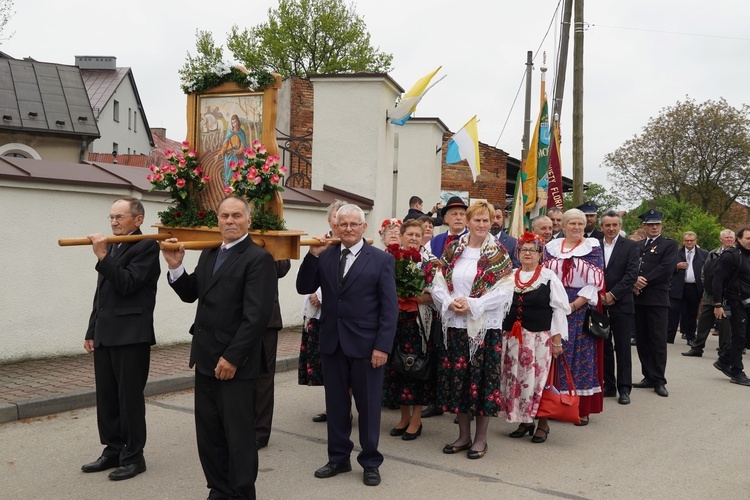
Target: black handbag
596, 324
416, 365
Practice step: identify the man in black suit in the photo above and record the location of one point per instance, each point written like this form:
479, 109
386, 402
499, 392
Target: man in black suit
265, 386
235, 286
621, 258
555, 215
590, 210
658, 260
686, 289
120, 334
357, 326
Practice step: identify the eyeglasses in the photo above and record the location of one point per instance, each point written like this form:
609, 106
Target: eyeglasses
528, 250
393, 233
347, 225
118, 218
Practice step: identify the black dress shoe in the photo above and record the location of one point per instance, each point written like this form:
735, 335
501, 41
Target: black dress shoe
128, 471
432, 411
722, 368
320, 417
476, 454
262, 443
661, 391
331, 469
398, 432
411, 436
610, 393
522, 430
644, 384
450, 449
693, 353
741, 379
624, 398
101, 464
582, 423
540, 439
371, 476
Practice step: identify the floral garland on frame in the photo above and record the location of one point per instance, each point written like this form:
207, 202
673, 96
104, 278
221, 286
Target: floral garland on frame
222, 73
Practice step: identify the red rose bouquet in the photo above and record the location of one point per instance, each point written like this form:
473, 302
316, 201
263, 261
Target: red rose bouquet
410, 280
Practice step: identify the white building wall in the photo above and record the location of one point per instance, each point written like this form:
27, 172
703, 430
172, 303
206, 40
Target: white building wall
417, 164
353, 147
135, 137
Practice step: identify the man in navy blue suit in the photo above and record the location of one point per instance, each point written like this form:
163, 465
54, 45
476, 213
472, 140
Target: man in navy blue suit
357, 326
686, 289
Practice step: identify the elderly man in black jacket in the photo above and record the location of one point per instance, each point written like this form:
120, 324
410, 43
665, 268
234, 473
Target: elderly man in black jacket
120, 334
732, 284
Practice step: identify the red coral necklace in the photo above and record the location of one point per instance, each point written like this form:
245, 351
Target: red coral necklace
562, 246
522, 285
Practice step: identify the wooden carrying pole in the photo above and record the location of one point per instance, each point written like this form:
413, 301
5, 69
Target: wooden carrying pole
258, 240
71, 242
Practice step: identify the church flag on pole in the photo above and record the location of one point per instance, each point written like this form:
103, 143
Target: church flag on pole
408, 104
464, 145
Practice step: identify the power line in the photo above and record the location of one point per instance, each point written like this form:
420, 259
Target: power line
523, 75
670, 32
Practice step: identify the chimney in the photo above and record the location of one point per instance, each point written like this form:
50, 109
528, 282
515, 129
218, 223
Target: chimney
96, 62
160, 132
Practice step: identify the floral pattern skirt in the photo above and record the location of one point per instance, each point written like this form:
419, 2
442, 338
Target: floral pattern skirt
524, 372
470, 386
309, 368
399, 389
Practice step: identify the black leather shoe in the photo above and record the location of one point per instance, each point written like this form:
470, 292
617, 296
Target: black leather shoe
320, 417
610, 393
661, 391
741, 379
476, 454
644, 384
522, 430
693, 353
540, 439
624, 398
262, 443
582, 423
331, 469
371, 476
432, 411
128, 471
409, 436
450, 449
398, 432
101, 464
722, 368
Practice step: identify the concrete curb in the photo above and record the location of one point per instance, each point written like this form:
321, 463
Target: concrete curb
49, 405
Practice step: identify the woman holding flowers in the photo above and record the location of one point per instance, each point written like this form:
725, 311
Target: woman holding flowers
412, 331
579, 262
473, 290
533, 332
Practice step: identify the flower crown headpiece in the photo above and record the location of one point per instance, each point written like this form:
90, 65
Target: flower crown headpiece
389, 222
528, 237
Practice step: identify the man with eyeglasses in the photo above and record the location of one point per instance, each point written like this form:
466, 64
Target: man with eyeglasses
357, 327
120, 335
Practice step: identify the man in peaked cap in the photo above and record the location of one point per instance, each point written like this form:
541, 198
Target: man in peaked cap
657, 262
590, 210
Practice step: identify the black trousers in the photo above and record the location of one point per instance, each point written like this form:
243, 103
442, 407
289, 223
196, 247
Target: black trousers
621, 330
733, 355
121, 373
706, 322
225, 431
265, 388
651, 341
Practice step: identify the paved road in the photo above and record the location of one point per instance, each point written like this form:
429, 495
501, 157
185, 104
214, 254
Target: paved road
694, 444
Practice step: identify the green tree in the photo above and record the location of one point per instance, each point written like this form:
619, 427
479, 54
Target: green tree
301, 37
6, 12
679, 216
697, 152
597, 194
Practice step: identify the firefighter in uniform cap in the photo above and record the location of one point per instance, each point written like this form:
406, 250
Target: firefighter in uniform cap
590, 210
658, 260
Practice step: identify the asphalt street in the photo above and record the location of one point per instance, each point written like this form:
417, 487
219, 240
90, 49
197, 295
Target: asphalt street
694, 444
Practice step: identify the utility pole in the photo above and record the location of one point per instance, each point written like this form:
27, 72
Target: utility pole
562, 62
527, 109
578, 105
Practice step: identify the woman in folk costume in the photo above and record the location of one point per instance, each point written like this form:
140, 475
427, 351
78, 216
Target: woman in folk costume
473, 291
578, 262
533, 332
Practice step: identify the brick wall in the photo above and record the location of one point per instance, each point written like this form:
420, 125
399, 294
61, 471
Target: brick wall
491, 181
301, 110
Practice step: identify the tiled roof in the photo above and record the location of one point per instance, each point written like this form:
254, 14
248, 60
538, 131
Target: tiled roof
44, 97
101, 85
